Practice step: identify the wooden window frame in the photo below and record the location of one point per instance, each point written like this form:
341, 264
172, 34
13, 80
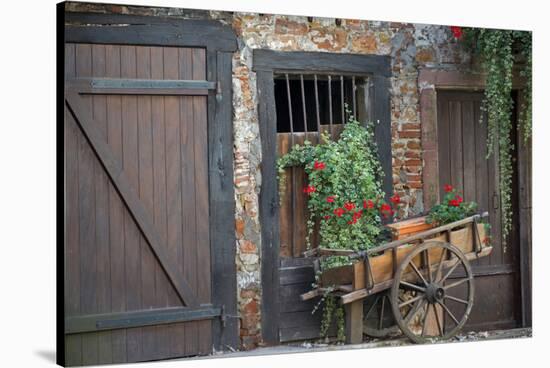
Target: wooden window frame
219, 42
265, 63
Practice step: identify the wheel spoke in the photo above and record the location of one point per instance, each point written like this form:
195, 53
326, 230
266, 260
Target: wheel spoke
413, 286
449, 312
415, 310
440, 266
428, 265
412, 300
459, 282
417, 271
456, 299
424, 324
382, 312
439, 325
450, 271
372, 306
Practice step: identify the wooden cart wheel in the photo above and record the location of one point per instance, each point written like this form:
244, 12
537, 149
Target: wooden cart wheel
438, 300
378, 318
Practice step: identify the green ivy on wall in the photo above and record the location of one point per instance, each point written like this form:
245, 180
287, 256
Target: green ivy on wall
501, 51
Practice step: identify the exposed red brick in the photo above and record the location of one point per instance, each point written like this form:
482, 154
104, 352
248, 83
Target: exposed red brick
414, 145
412, 154
248, 293
249, 321
364, 43
409, 134
239, 228
415, 185
250, 342
251, 307
414, 177
413, 162
410, 126
247, 246
285, 26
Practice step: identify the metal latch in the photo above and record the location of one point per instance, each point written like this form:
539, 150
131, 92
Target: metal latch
224, 316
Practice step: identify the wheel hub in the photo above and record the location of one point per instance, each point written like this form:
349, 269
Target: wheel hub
435, 293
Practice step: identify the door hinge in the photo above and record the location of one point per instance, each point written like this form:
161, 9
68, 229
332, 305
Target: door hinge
224, 316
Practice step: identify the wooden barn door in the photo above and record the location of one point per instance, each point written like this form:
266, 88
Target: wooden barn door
463, 164
137, 205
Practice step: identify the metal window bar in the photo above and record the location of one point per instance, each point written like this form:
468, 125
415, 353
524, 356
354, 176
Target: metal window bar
353, 97
330, 106
303, 104
342, 99
317, 109
293, 168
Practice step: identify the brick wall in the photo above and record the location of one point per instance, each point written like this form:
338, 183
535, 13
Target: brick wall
411, 46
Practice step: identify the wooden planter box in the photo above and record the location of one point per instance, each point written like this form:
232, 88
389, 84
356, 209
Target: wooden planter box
382, 266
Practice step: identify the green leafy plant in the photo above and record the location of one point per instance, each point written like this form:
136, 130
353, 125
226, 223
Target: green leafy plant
501, 51
345, 196
451, 209
344, 188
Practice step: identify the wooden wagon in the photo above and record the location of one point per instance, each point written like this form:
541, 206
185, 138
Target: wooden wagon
423, 277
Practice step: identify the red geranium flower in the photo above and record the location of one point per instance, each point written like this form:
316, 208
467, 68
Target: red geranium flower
330, 199
317, 165
458, 199
395, 199
349, 206
339, 212
368, 204
454, 203
353, 221
309, 189
448, 188
457, 32
385, 207
327, 217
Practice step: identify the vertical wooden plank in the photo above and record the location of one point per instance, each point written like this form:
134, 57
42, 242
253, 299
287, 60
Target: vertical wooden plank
468, 141
162, 283
482, 181
456, 145
73, 343
188, 261
173, 182
145, 151
285, 212
222, 202
202, 215
132, 236
443, 142
116, 207
86, 190
300, 209
105, 353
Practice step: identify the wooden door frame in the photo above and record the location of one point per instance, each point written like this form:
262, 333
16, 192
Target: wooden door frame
430, 80
219, 42
265, 63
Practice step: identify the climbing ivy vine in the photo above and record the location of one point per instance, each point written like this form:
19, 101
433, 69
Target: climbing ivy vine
501, 51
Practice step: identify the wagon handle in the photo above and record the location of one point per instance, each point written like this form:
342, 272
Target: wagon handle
369, 277
479, 244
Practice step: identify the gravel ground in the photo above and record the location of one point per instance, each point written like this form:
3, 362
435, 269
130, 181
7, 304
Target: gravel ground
372, 343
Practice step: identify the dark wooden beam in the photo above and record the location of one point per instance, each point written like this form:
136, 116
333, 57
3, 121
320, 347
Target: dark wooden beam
147, 30
112, 321
222, 203
141, 86
128, 194
269, 60
269, 208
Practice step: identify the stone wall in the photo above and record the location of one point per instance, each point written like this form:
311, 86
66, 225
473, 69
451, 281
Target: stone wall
411, 47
